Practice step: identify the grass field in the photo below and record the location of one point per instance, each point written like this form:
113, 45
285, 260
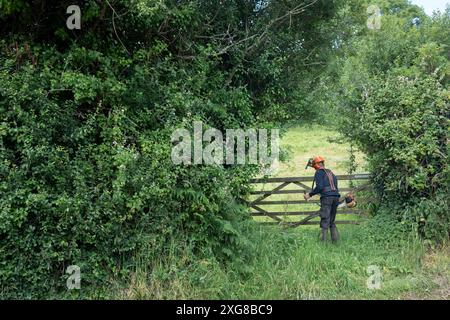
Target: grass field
303, 142
292, 264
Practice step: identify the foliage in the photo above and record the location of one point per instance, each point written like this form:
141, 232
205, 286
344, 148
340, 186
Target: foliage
86, 119
393, 94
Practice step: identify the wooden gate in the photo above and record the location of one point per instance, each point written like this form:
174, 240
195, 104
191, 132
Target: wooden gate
283, 186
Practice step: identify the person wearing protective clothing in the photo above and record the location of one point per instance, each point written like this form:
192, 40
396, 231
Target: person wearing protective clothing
326, 185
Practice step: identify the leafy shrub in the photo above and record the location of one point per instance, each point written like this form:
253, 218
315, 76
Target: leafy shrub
86, 176
397, 111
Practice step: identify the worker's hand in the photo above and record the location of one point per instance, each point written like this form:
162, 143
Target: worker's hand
306, 196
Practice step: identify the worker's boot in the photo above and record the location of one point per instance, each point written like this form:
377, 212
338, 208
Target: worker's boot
334, 234
323, 234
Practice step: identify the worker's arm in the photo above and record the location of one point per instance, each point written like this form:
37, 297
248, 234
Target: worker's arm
319, 183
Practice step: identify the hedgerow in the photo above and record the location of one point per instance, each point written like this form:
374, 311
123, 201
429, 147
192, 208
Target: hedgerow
86, 176
396, 109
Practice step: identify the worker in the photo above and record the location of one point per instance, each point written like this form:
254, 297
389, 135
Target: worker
326, 185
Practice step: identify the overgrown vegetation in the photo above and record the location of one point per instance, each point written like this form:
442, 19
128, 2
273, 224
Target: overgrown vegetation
291, 264
86, 118
86, 176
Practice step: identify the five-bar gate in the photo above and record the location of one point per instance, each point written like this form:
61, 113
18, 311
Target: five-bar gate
293, 188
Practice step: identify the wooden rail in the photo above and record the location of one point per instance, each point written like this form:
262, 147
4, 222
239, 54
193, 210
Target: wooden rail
259, 202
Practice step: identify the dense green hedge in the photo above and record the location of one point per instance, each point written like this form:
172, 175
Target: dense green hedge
393, 93
86, 176
405, 130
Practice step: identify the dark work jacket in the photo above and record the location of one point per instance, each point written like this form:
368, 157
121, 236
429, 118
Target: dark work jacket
323, 185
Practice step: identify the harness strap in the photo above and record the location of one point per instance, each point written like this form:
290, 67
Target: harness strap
330, 180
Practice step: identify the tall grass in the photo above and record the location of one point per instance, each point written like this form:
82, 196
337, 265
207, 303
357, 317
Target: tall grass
291, 264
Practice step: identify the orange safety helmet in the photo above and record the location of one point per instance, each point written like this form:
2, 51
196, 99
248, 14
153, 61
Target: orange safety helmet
316, 161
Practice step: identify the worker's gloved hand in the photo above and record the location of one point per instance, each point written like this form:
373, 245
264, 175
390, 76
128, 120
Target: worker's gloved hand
306, 196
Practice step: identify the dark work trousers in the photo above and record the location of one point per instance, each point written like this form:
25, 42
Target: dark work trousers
328, 206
